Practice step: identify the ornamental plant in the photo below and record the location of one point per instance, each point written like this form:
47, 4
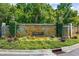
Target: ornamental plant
12, 28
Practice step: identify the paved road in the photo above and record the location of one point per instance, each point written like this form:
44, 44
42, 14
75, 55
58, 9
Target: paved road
72, 53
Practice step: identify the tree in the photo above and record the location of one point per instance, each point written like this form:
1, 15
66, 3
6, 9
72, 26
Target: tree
35, 13
65, 15
4, 11
63, 11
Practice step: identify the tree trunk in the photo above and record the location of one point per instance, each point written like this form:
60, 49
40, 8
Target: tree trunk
36, 19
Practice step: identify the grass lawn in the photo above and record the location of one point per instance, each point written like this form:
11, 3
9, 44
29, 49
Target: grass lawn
36, 44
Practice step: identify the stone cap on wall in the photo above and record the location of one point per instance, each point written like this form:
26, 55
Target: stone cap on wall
35, 24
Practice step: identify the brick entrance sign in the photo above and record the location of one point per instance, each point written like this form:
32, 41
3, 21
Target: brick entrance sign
40, 30
37, 29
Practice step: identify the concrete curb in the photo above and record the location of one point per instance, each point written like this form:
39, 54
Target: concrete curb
39, 52
49, 52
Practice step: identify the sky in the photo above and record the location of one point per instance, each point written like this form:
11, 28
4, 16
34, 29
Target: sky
75, 6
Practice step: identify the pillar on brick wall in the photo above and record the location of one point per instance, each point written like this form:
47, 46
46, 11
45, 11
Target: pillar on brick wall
67, 32
0, 30
71, 30
3, 29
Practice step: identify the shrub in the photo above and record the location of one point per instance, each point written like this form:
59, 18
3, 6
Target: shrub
12, 28
36, 44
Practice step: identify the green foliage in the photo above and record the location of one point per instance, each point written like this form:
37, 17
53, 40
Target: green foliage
12, 26
4, 12
36, 44
38, 13
66, 13
35, 13
59, 29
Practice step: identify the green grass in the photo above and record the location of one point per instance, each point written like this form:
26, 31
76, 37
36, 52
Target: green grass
36, 44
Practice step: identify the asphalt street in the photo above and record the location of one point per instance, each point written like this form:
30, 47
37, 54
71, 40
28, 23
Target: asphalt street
72, 53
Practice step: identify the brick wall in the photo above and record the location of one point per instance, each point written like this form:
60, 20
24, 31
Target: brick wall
41, 30
36, 29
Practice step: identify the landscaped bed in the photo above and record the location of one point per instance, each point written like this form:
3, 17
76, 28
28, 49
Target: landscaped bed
24, 43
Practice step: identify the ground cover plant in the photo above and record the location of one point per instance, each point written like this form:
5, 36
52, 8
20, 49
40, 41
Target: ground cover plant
25, 43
